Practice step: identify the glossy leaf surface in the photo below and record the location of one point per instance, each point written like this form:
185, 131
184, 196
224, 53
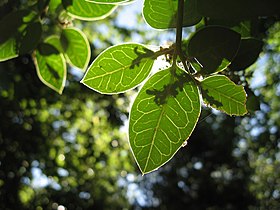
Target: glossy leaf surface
119, 68
221, 93
162, 118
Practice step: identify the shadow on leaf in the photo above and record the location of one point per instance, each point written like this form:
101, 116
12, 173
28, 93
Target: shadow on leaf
140, 56
170, 90
210, 100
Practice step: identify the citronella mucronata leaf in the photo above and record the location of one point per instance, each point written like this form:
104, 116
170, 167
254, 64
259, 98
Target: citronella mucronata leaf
163, 117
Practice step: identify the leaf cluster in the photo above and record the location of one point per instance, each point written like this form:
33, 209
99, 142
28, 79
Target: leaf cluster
226, 40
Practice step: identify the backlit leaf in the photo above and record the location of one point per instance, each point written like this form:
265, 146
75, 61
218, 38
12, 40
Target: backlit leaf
214, 47
162, 14
162, 118
221, 93
75, 47
85, 10
119, 68
51, 66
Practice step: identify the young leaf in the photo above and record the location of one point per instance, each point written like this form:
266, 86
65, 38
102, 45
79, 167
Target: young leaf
119, 68
85, 10
221, 93
162, 14
163, 117
248, 53
50, 66
75, 47
214, 47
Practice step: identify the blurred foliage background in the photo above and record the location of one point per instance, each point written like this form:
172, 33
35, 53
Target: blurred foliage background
70, 151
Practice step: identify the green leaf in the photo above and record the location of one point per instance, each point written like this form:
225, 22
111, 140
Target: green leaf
85, 10
51, 66
109, 1
53, 5
54, 40
119, 68
214, 47
221, 93
248, 53
76, 47
163, 117
238, 9
8, 50
162, 14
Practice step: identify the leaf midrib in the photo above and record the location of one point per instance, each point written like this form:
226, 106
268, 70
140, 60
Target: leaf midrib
157, 126
117, 70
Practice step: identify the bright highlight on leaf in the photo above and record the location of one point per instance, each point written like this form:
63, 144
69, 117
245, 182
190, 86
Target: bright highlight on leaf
85, 10
163, 117
119, 68
221, 93
162, 14
51, 66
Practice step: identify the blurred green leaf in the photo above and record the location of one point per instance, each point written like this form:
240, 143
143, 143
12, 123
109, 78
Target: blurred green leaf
163, 14
221, 93
214, 47
119, 68
53, 5
163, 117
85, 10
